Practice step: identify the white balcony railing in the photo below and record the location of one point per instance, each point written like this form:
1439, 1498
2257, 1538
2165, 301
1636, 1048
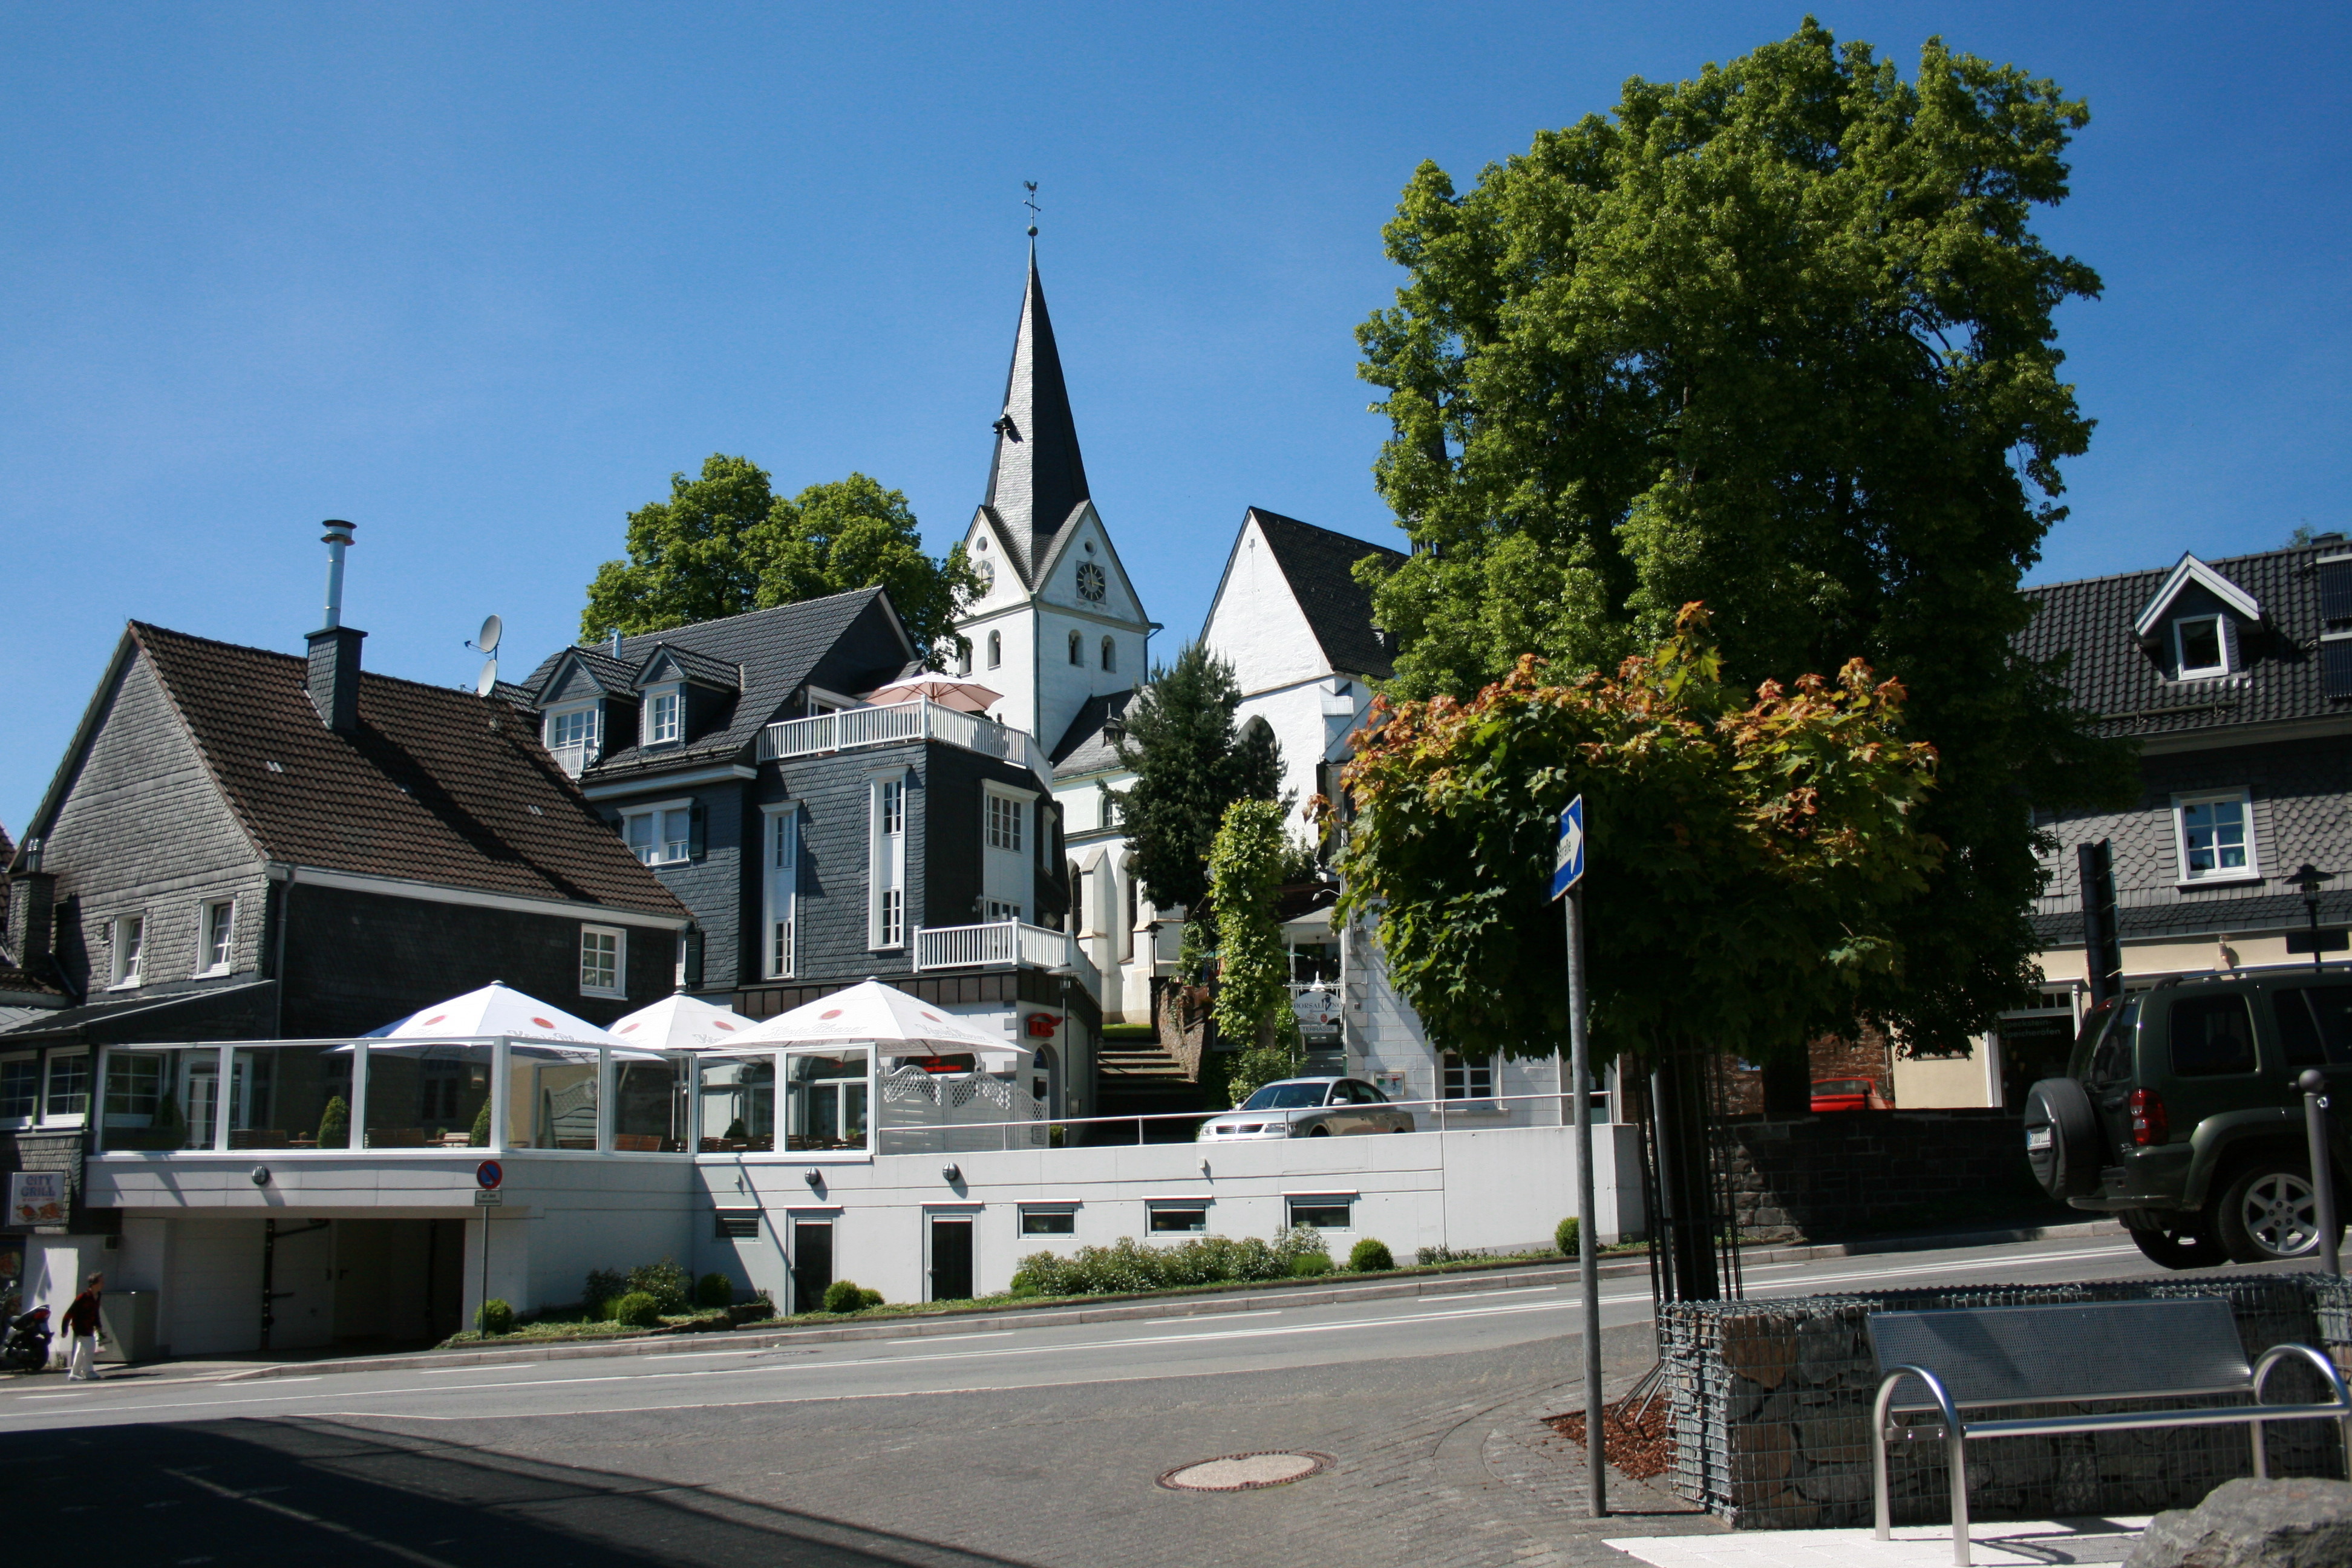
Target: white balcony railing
897, 723
573, 759
1004, 944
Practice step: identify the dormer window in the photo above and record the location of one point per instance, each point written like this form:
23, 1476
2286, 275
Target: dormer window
2200, 647
575, 736
665, 719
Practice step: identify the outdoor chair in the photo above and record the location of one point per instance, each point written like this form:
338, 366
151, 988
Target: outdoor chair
2080, 1352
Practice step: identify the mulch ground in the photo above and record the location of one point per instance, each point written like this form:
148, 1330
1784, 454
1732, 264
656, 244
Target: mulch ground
1637, 1448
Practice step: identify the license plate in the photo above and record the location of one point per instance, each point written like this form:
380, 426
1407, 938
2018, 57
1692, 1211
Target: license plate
2037, 1138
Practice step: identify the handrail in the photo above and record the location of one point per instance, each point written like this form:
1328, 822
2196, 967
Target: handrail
1137, 1120
993, 943
897, 723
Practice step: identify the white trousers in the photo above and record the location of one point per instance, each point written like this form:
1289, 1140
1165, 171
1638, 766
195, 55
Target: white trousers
82, 1361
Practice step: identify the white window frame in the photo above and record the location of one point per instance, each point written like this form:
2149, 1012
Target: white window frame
40, 1086
1470, 1073
780, 852
2251, 871
886, 862
2180, 648
1068, 1211
1013, 810
995, 649
123, 971
619, 986
592, 710
1153, 1207
659, 846
673, 694
52, 1117
1293, 1202
226, 960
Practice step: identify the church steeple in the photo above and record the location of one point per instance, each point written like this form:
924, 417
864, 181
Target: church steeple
1036, 479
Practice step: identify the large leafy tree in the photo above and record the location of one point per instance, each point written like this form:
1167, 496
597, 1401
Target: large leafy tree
1780, 339
725, 542
1189, 766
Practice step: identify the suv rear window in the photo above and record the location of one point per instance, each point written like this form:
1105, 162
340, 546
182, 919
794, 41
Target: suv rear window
2314, 1025
2211, 1035
2111, 1059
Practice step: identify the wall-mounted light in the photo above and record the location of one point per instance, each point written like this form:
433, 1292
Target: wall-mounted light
815, 1182
951, 1173
261, 1175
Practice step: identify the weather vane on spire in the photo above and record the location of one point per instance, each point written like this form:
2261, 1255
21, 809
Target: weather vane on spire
1031, 203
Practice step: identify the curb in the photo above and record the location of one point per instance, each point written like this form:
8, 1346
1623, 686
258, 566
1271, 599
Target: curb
1260, 1299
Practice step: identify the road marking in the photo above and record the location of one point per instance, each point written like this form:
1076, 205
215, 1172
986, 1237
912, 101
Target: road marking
314, 1521
1490, 1295
934, 1339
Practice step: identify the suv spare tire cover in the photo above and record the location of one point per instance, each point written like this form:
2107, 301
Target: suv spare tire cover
2061, 1138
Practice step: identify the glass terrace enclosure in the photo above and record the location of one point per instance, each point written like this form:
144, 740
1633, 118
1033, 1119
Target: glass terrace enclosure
502, 1094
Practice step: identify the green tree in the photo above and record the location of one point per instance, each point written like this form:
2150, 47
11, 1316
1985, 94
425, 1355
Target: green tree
1246, 865
725, 542
1189, 766
1780, 339
1747, 855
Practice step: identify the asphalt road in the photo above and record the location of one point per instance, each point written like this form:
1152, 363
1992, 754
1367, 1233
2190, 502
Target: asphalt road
1036, 1445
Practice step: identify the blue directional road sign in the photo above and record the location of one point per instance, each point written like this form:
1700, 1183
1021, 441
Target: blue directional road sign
1567, 866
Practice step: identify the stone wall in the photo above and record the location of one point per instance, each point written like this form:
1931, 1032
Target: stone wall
1870, 1170
1770, 1406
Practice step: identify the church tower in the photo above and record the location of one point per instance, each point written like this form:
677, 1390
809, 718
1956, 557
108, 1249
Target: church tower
1059, 623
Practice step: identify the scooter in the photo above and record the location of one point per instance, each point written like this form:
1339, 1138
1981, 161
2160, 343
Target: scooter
25, 1346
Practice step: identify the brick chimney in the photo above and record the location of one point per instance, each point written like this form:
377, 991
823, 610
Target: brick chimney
334, 646
32, 911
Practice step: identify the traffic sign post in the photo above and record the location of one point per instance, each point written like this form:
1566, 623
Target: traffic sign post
1567, 884
489, 1177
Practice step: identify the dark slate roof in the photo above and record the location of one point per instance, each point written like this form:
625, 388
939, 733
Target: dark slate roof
618, 677
1036, 478
436, 785
1319, 565
7, 849
2112, 674
702, 668
234, 1010
1084, 747
16, 980
778, 650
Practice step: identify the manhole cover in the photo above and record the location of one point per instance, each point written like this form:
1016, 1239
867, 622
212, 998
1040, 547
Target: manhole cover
1246, 1472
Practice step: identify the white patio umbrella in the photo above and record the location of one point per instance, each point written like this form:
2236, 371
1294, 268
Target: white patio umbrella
682, 1023
963, 695
497, 1008
894, 1023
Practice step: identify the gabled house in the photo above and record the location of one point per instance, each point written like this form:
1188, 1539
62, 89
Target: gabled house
822, 837
247, 845
2235, 677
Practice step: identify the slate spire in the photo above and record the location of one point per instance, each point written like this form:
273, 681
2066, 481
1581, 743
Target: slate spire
1036, 478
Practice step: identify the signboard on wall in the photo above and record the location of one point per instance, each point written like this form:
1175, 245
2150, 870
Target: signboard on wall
37, 1197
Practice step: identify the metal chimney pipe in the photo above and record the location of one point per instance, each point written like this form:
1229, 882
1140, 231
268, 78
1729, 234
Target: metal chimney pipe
338, 539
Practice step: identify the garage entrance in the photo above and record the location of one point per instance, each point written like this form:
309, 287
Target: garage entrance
399, 1280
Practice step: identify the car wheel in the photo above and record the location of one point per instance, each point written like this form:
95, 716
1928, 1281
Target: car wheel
2188, 1244
2061, 1138
2270, 1212
1320, 1132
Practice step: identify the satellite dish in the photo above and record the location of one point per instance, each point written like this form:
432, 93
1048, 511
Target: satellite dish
487, 641
488, 677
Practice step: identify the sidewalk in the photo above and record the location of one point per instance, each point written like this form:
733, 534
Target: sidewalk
1992, 1546
1123, 1309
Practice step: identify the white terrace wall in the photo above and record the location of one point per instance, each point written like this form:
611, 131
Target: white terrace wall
193, 1222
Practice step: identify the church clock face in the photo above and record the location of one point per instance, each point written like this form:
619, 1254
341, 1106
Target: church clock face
986, 571
1091, 583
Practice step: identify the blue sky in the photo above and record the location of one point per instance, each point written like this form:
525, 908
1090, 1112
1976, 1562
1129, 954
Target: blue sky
481, 277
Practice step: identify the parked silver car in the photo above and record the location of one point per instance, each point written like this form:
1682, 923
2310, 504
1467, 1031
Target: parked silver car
1307, 1108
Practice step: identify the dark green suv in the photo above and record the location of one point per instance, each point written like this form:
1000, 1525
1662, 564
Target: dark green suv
2180, 1114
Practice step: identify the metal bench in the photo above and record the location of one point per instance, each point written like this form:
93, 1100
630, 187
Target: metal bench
1968, 1358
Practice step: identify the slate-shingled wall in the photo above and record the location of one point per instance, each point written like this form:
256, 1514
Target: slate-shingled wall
142, 831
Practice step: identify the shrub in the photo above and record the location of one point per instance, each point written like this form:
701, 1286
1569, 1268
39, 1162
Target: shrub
1368, 1256
335, 1124
1565, 1237
479, 1138
605, 1286
1308, 1265
714, 1290
638, 1308
671, 1287
1129, 1264
845, 1296
1427, 1256
495, 1317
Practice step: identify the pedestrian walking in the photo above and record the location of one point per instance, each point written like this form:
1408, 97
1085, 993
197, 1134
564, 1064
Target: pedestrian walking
81, 1333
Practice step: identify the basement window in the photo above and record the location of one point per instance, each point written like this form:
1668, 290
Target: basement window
1324, 1211
1179, 1218
1049, 1219
737, 1225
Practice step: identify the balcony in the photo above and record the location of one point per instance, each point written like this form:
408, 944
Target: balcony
1004, 944
897, 723
573, 759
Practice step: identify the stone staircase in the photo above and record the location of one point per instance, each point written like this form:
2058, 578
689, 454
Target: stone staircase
1140, 1077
